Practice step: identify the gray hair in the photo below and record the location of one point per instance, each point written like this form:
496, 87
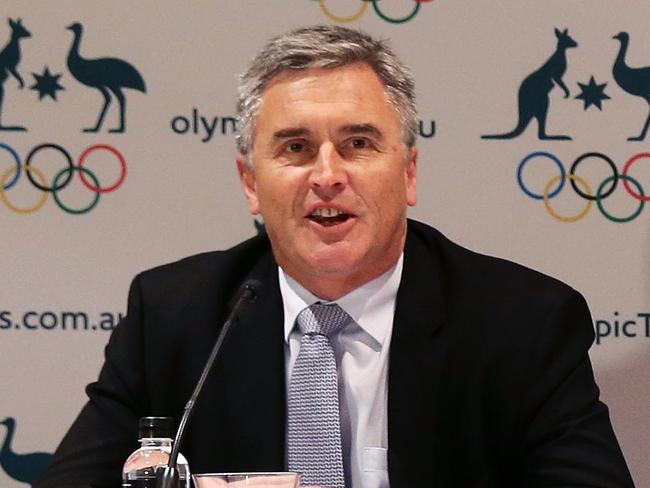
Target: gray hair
324, 46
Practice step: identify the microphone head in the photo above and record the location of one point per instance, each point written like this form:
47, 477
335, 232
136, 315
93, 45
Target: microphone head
247, 293
251, 289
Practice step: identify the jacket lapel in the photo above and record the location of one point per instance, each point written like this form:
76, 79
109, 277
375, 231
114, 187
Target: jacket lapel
253, 363
415, 365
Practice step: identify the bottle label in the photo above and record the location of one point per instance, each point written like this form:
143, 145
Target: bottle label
141, 483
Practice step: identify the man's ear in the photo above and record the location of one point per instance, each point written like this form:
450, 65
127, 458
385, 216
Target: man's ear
247, 178
411, 176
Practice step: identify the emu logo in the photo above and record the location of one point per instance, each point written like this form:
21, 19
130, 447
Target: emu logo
635, 81
108, 75
21, 467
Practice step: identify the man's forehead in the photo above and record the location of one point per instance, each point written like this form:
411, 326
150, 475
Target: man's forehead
351, 98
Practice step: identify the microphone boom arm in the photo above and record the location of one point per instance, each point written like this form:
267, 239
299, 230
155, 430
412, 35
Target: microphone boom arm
169, 477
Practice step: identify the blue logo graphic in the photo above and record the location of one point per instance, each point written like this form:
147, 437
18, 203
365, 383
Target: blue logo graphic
593, 93
47, 84
9, 59
21, 467
108, 75
635, 81
534, 91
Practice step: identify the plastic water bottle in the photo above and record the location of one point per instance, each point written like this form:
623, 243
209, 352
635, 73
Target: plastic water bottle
140, 468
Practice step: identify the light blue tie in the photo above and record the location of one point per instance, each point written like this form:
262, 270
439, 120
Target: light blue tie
314, 430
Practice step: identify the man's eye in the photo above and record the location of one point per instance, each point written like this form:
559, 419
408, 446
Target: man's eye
296, 147
360, 144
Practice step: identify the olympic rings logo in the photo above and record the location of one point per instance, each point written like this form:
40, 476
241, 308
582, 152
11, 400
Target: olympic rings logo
10, 177
582, 188
364, 6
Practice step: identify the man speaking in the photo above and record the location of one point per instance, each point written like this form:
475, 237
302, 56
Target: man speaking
379, 353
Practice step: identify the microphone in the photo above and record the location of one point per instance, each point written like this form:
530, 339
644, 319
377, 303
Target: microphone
169, 477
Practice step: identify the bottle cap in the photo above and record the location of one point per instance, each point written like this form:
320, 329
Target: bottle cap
152, 427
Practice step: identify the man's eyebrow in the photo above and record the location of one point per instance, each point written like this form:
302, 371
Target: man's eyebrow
290, 132
362, 129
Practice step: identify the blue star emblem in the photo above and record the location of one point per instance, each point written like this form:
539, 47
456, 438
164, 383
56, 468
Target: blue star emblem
593, 94
46, 84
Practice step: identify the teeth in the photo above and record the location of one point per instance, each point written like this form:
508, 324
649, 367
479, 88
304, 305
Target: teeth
327, 212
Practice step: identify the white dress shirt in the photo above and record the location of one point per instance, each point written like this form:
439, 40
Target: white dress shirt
361, 352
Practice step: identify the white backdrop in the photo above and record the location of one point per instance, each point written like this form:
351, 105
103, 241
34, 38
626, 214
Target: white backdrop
181, 195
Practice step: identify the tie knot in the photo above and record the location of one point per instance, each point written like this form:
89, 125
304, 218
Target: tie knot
323, 319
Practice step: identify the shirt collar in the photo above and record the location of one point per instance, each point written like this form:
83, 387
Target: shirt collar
371, 306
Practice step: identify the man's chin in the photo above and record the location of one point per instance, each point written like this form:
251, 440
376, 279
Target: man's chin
334, 259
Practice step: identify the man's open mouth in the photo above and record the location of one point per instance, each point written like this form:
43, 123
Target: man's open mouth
329, 216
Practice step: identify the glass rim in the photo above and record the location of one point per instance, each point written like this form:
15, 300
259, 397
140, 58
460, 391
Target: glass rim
251, 473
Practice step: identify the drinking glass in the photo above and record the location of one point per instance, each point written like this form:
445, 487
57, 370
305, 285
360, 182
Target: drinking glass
246, 480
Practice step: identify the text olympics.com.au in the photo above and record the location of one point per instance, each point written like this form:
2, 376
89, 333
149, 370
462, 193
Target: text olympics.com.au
617, 327
59, 320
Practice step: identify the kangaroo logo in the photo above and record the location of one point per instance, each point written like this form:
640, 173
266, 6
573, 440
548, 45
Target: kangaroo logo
534, 91
635, 81
21, 467
9, 58
108, 75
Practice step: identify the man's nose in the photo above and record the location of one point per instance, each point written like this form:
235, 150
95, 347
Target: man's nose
328, 173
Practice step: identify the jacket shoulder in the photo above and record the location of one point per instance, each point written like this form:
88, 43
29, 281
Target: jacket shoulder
484, 275
207, 271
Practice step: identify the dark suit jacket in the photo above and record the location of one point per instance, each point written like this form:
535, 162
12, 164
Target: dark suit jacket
489, 380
